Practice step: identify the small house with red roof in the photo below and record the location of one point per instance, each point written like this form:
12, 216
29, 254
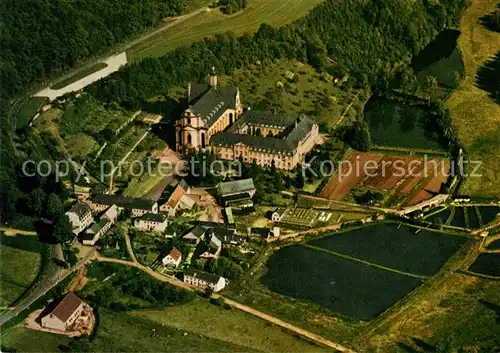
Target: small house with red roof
173, 259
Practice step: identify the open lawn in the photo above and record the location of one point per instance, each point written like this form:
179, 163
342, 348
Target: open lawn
472, 107
27, 110
232, 326
20, 263
395, 246
212, 22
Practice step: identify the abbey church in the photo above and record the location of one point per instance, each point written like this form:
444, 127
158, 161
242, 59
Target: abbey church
215, 120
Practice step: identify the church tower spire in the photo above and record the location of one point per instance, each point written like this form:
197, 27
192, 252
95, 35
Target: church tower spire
213, 78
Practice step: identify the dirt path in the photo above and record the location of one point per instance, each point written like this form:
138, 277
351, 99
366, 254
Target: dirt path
276, 321
130, 249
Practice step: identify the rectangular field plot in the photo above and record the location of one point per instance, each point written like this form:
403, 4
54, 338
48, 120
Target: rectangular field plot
459, 218
488, 213
399, 248
487, 264
342, 286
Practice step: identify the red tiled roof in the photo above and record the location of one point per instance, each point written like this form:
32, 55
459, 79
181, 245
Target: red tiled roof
175, 254
67, 307
176, 196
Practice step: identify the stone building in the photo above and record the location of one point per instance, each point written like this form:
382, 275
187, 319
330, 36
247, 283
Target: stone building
215, 120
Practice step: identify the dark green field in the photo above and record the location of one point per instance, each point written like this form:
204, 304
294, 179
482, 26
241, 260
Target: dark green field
459, 218
494, 245
487, 264
395, 246
394, 124
488, 213
472, 217
346, 287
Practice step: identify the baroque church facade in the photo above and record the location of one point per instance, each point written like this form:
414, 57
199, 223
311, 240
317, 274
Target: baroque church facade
215, 120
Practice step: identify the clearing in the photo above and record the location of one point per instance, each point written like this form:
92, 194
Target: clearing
470, 106
212, 22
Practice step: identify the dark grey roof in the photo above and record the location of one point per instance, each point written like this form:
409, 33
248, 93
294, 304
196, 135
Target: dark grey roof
236, 186
197, 231
264, 119
256, 143
300, 131
211, 103
196, 91
80, 209
124, 202
286, 145
153, 217
205, 276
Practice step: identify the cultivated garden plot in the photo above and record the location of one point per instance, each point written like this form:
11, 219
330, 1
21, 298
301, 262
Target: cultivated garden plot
345, 287
487, 264
395, 246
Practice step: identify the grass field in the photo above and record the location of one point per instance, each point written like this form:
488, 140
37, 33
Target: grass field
307, 92
232, 326
27, 110
471, 106
207, 24
392, 245
79, 75
118, 332
21, 260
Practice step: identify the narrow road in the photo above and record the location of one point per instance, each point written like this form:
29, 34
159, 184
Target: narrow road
174, 281
130, 249
52, 277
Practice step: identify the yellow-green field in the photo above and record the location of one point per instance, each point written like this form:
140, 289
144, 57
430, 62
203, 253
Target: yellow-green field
475, 115
232, 326
212, 22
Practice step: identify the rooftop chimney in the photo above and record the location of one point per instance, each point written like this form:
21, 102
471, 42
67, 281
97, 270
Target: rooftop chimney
189, 90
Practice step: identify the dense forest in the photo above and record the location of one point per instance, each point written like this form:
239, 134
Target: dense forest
373, 41
41, 37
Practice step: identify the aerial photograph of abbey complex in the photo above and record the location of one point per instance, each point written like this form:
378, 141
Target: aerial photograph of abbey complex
273, 176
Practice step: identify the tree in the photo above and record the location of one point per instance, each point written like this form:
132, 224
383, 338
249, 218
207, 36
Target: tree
431, 82
456, 79
299, 177
37, 201
63, 232
316, 53
55, 208
357, 136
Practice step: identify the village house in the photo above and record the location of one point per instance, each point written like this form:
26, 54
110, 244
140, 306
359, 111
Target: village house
214, 248
80, 217
111, 214
136, 206
173, 259
68, 312
179, 200
204, 279
193, 237
81, 192
214, 120
278, 214
227, 236
96, 231
152, 222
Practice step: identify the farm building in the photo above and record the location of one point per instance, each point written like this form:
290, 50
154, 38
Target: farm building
204, 279
228, 236
214, 248
179, 199
152, 222
111, 214
69, 312
96, 231
173, 259
80, 217
196, 234
136, 206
